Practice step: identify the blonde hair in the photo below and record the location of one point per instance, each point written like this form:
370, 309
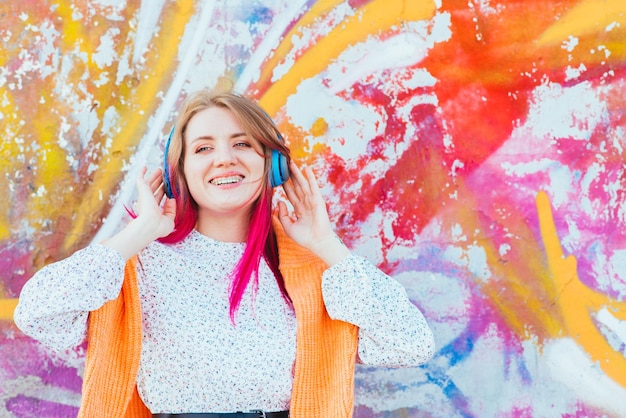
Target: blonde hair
261, 240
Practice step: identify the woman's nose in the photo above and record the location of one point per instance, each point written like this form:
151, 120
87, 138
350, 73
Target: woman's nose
224, 155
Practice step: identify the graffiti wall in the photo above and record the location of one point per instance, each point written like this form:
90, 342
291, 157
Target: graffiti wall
474, 150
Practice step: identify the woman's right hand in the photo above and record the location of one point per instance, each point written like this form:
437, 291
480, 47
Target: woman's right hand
154, 217
150, 194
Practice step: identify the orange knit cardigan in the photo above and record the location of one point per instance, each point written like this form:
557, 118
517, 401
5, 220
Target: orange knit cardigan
323, 383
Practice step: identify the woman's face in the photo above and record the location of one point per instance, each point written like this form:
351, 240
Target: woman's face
224, 168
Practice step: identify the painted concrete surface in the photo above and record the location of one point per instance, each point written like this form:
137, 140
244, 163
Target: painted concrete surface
474, 150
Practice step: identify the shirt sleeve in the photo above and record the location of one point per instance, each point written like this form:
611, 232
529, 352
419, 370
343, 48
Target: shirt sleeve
54, 304
392, 331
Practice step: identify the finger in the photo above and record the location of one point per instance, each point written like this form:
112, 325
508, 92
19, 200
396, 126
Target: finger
282, 209
298, 201
300, 206
312, 181
155, 180
169, 208
159, 193
301, 185
283, 214
290, 192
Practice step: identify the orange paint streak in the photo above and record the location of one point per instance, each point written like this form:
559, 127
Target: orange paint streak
588, 17
160, 62
536, 302
519, 288
375, 17
49, 184
320, 8
587, 23
577, 302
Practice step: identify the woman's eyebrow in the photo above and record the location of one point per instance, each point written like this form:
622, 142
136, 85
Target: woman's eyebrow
211, 138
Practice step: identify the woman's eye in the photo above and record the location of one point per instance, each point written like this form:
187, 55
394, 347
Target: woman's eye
203, 149
242, 144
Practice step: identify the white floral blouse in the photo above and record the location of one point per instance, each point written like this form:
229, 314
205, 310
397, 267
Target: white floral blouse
193, 358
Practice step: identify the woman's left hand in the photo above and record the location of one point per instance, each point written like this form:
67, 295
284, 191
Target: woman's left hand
309, 225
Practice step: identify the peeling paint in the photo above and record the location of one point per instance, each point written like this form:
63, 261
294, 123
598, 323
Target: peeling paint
474, 151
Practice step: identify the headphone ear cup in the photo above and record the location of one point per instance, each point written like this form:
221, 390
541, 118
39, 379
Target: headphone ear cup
166, 168
279, 165
279, 170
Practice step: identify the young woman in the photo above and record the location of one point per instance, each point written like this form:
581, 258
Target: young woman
211, 302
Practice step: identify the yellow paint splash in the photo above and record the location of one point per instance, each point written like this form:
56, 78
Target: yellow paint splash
588, 16
577, 302
8, 150
319, 128
7, 306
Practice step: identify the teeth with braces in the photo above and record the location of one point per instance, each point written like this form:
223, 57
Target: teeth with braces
226, 180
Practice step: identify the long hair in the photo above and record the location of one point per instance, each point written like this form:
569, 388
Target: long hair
261, 239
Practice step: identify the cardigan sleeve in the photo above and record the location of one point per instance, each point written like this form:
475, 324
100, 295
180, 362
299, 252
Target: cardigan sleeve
54, 304
392, 331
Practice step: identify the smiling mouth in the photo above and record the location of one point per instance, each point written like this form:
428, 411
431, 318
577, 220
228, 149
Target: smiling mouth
221, 181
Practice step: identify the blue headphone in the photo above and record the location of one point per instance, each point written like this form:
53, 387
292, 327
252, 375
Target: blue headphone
279, 166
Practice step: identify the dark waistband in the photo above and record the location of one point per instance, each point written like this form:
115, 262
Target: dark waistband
252, 414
